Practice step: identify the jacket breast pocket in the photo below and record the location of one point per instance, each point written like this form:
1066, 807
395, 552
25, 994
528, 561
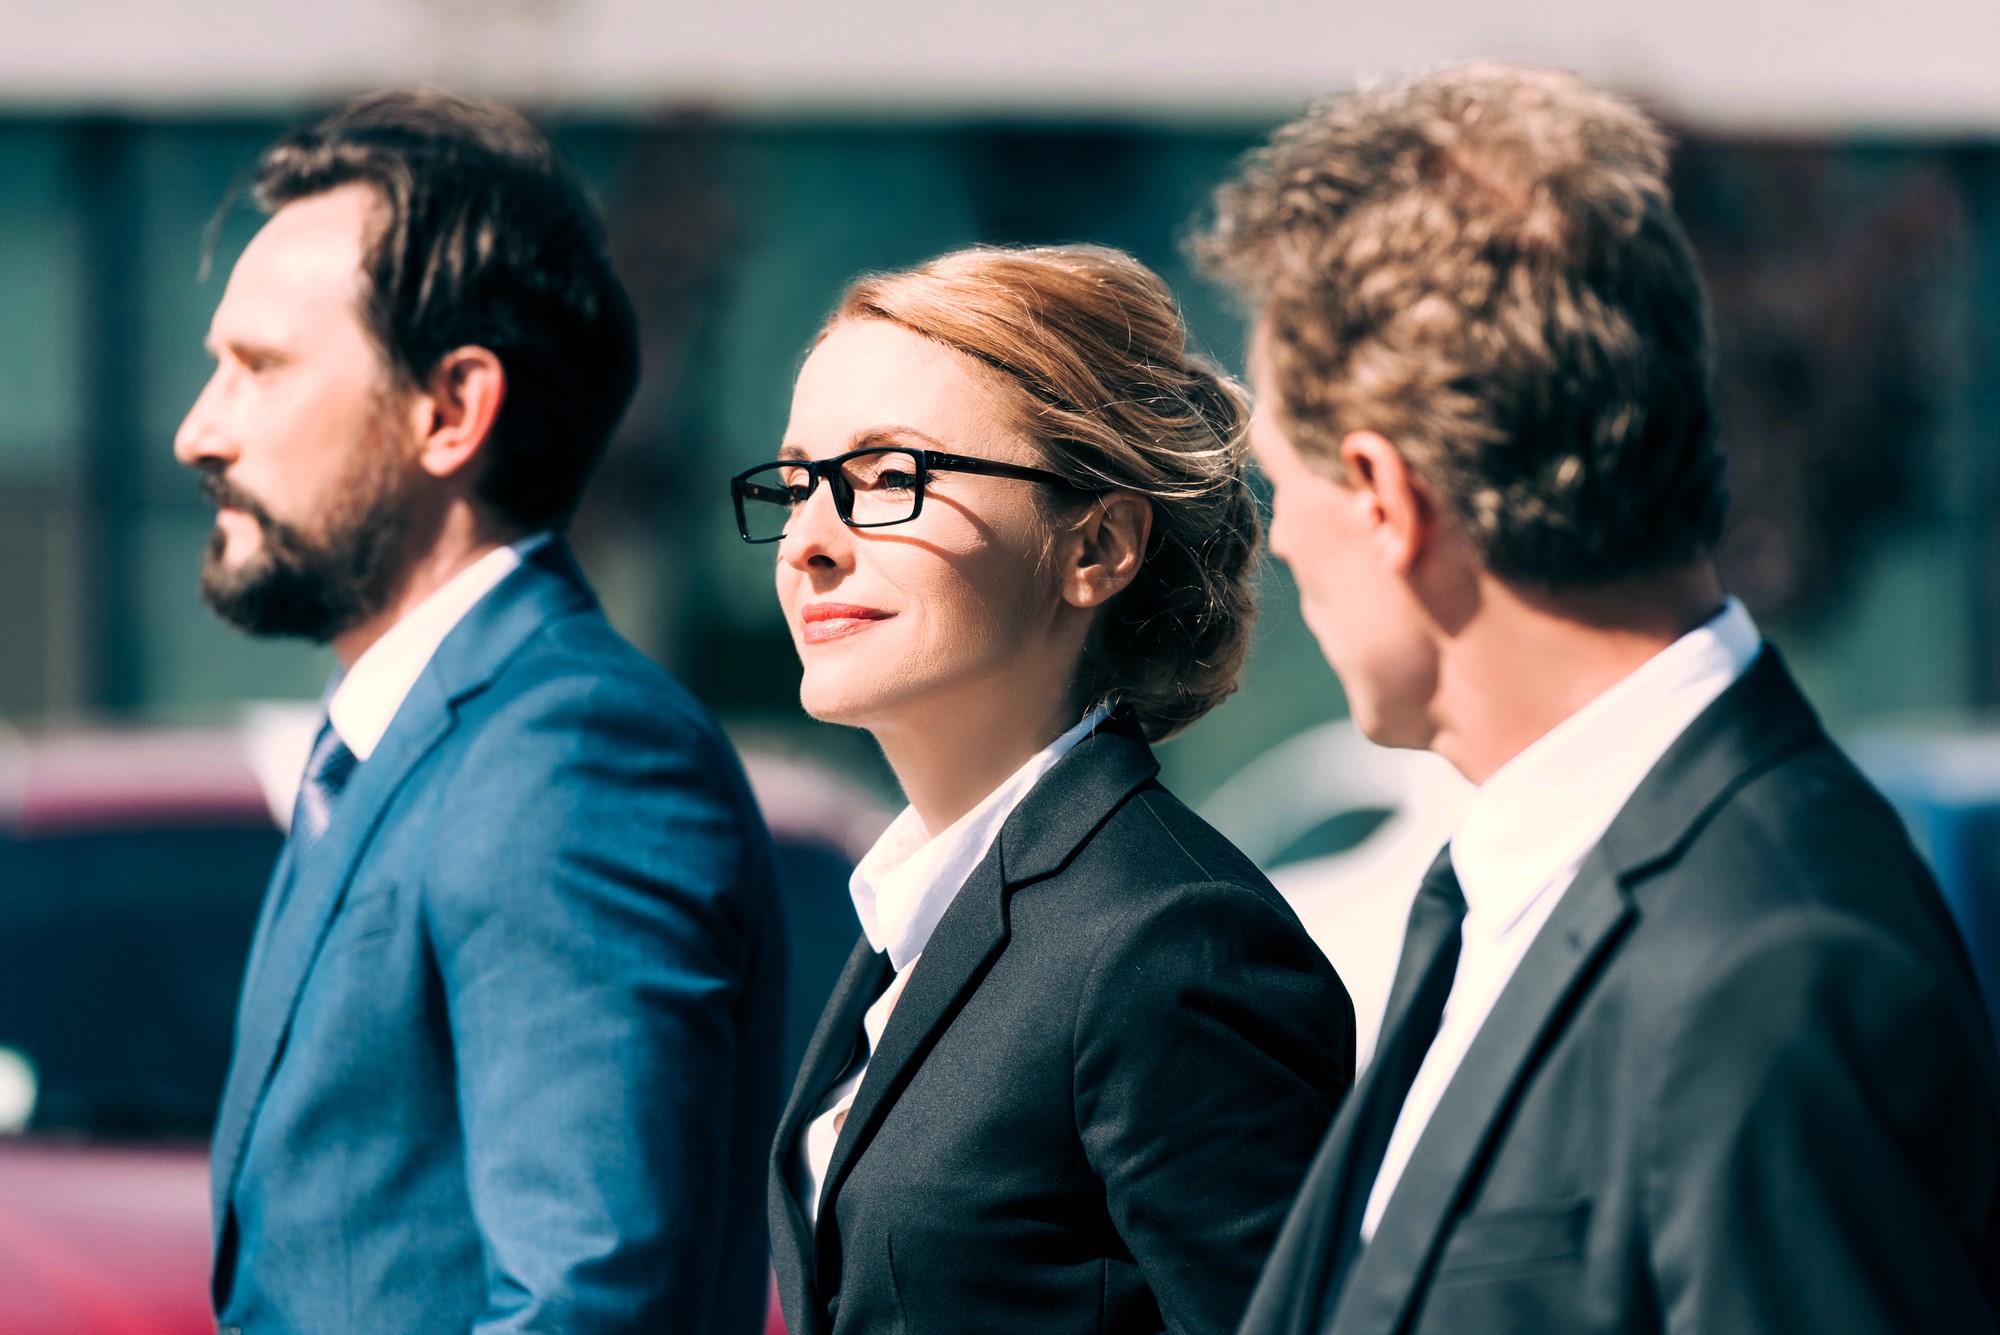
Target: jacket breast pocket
367, 917
1502, 1243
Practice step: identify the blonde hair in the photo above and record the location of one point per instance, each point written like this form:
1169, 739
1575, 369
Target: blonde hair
1093, 348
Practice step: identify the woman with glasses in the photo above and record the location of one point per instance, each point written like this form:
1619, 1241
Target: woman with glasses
1075, 1069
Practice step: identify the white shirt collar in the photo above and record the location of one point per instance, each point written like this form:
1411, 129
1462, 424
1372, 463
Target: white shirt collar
903, 885
1545, 809
365, 700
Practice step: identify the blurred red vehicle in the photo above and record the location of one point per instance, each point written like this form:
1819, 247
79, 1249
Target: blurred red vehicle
132, 863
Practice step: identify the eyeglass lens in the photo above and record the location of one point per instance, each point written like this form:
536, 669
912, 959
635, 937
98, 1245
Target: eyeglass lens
873, 489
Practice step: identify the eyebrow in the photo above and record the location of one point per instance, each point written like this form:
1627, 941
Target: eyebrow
873, 436
216, 345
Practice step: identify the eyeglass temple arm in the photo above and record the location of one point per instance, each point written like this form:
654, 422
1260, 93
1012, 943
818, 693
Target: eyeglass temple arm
938, 461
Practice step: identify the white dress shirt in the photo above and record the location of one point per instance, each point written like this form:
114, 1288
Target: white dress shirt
901, 887
1528, 829
366, 699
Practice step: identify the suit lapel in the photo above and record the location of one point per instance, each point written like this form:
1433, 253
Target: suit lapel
828, 1056
297, 915
1290, 1296
1757, 721
1559, 964
1292, 1289
1058, 815
966, 940
298, 923
260, 939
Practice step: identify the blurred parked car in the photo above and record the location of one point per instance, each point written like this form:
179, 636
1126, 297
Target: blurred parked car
1345, 829
132, 864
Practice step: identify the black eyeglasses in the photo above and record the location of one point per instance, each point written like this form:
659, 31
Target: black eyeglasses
872, 488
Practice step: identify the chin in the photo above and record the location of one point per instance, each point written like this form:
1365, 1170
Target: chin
861, 699
824, 711
1370, 724
1405, 730
831, 700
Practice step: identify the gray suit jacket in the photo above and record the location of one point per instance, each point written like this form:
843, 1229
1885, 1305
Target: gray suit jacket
1742, 1084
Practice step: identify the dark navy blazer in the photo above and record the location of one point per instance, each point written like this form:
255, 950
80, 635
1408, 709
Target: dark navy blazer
507, 1059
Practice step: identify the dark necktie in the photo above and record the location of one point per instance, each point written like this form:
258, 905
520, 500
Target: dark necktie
1416, 1007
328, 769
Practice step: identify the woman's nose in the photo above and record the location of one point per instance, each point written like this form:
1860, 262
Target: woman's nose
815, 537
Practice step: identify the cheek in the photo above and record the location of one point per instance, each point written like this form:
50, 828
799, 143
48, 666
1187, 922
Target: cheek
973, 564
1304, 513
790, 585
1278, 533
964, 613
1301, 541
973, 613
1333, 588
293, 469
315, 439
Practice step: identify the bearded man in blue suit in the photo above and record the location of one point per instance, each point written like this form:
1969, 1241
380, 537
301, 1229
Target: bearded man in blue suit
507, 1053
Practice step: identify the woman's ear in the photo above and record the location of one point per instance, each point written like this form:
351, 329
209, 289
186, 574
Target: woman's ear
458, 408
1102, 552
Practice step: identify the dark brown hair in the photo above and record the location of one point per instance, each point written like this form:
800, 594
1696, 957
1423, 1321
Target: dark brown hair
1091, 347
487, 239
1483, 266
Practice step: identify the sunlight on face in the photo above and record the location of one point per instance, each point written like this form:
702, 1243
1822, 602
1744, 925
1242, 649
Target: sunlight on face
298, 384
1352, 601
954, 609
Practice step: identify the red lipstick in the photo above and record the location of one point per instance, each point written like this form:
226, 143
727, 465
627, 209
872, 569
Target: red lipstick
831, 621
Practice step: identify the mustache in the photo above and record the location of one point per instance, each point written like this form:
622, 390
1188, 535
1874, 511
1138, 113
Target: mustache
220, 492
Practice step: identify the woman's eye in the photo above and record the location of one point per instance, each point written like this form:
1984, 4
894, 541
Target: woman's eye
893, 480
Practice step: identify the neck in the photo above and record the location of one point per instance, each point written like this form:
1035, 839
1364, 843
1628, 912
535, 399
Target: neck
1527, 660
462, 538
949, 755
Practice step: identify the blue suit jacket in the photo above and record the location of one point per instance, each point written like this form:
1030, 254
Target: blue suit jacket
507, 1060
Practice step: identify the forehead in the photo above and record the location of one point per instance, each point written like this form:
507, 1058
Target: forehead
868, 375
302, 267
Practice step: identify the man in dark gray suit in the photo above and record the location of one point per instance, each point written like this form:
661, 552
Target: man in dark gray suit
1682, 1038
507, 1054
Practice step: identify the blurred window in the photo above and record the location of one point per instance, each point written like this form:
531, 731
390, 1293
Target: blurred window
41, 340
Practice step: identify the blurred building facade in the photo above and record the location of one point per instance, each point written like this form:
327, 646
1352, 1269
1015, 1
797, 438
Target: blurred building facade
1853, 249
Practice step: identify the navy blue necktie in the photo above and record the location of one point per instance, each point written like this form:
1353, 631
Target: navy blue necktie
328, 769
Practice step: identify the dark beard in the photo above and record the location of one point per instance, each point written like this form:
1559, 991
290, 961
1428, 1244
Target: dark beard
312, 587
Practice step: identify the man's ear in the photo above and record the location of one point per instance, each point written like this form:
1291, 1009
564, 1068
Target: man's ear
457, 409
1101, 554
1397, 512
